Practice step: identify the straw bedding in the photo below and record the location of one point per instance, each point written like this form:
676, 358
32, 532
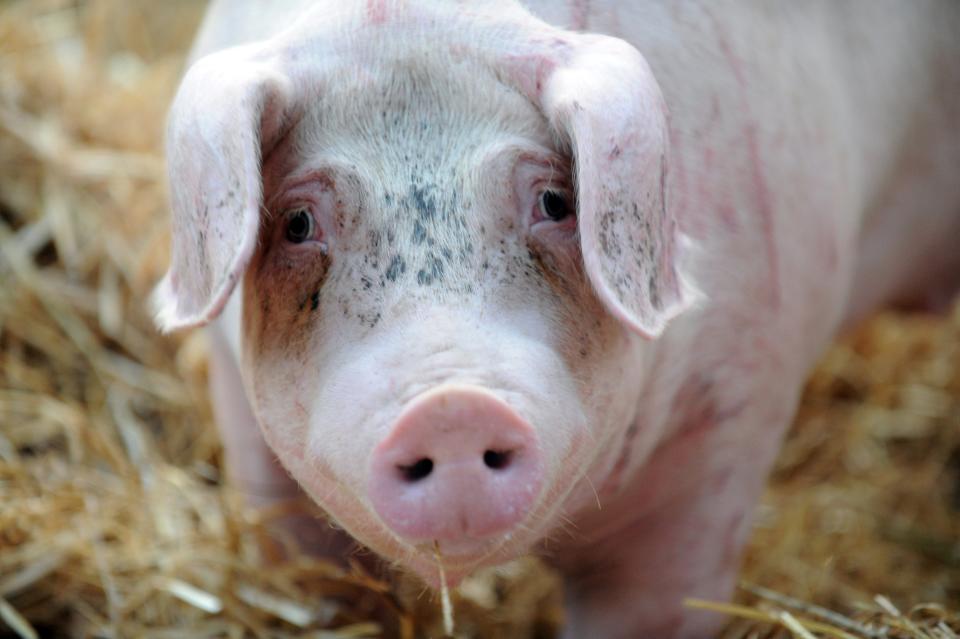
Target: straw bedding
114, 517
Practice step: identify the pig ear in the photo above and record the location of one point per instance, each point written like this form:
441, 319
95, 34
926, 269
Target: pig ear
607, 104
230, 109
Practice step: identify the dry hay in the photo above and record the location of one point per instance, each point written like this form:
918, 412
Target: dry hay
114, 520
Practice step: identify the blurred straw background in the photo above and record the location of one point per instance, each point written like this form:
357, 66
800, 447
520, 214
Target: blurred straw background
114, 520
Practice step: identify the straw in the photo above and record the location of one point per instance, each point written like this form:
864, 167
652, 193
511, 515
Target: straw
115, 516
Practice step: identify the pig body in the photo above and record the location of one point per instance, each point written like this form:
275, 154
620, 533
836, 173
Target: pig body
790, 167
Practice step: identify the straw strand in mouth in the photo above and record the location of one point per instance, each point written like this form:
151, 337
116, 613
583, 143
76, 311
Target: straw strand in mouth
445, 604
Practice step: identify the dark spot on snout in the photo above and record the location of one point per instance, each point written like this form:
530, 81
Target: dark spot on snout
424, 200
419, 235
397, 267
433, 271
369, 320
373, 238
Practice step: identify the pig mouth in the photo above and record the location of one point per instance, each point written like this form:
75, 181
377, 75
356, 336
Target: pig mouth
460, 557
438, 568
455, 558
463, 553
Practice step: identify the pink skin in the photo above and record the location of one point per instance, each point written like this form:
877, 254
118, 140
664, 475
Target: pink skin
448, 443
643, 356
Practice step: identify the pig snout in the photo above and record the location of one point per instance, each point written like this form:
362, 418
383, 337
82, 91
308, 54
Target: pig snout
458, 464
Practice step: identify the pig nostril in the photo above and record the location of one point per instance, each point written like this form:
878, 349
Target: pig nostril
496, 459
417, 471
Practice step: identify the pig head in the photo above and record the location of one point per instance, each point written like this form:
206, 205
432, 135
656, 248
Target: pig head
449, 228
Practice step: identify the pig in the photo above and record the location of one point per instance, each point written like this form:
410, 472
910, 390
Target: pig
493, 277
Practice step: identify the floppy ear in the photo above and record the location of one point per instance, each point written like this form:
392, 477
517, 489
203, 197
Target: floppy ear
231, 108
604, 100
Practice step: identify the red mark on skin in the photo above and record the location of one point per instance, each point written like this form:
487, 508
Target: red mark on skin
377, 11
530, 73
728, 215
613, 483
764, 201
735, 64
708, 157
696, 402
579, 10
301, 410
714, 110
761, 191
705, 193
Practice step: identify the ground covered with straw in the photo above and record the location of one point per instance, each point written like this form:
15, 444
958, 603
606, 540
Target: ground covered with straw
115, 520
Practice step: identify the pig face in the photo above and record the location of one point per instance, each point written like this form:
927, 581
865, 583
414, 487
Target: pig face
421, 248
442, 256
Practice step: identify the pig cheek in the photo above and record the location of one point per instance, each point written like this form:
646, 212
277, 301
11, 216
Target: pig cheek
589, 338
597, 352
281, 312
286, 288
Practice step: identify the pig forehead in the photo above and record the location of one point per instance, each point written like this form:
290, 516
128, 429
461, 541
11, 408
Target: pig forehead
417, 107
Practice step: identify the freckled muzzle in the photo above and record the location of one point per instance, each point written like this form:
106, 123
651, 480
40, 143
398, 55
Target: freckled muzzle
459, 465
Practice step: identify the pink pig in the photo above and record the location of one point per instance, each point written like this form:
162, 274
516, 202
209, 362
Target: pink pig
490, 279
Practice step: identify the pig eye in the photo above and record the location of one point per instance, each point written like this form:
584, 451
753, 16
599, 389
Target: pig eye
300, 226
554, 206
